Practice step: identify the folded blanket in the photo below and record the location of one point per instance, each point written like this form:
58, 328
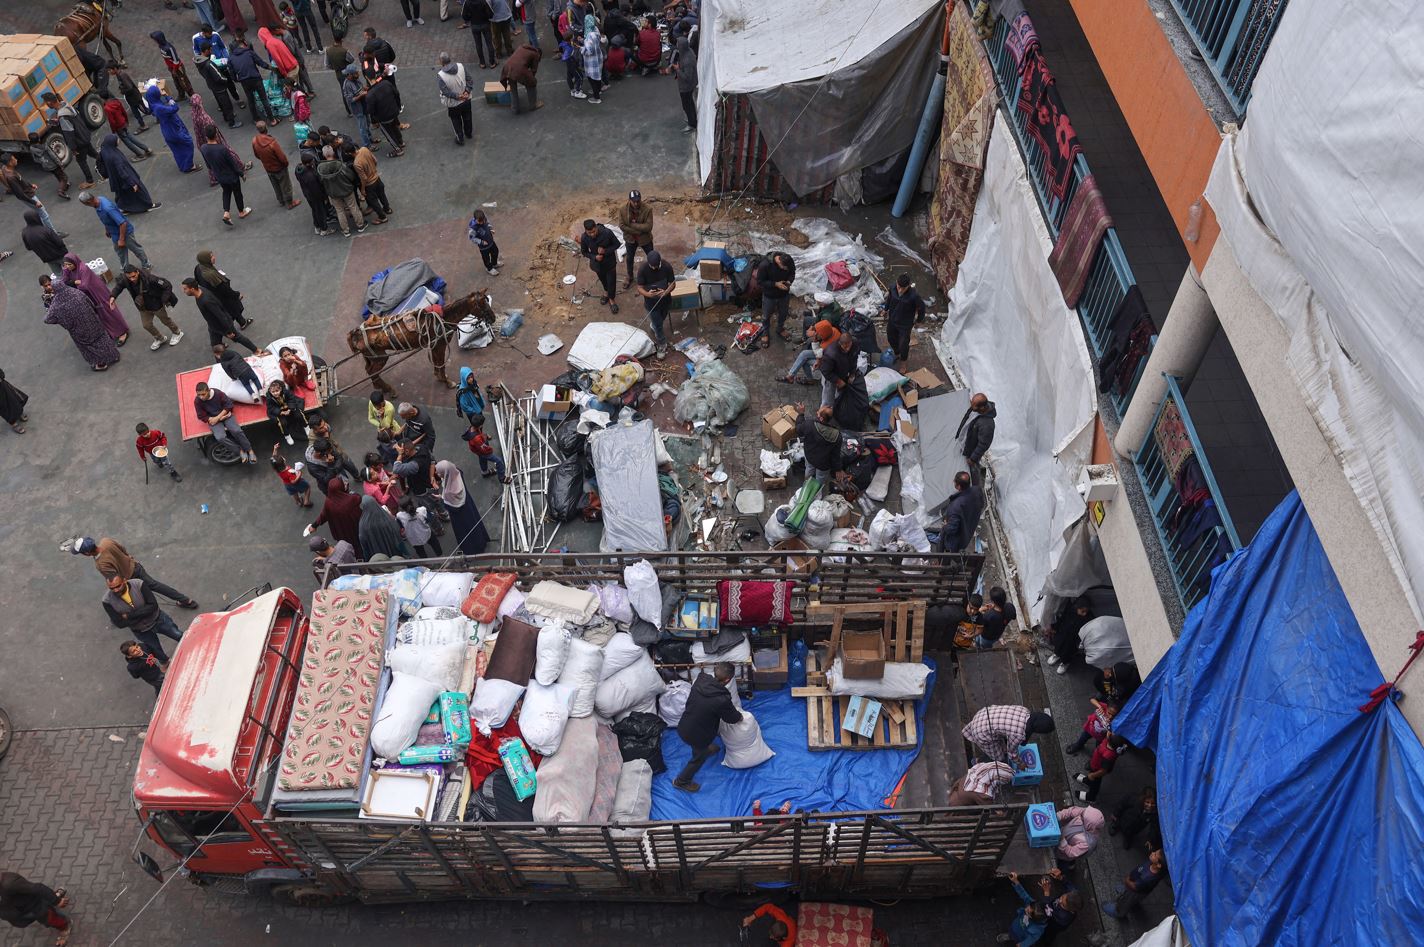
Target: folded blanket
567, 604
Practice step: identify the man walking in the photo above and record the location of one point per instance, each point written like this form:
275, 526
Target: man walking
708, 706
152, 295
132, 606
655, 282
221, 326
684, 66
961, 515
339, 181
112, 559
219, 83
24, 902
775, 275
118, 227
228, 172
1138, 884
600, 249
244, 64
976, 429
118, 119
521, 69
45, 158
455, 85
215, 410
76, 135
274, 160
23, 190
903, 307
635, 219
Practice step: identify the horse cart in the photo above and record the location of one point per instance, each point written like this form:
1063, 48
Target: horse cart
31, 65
246, 415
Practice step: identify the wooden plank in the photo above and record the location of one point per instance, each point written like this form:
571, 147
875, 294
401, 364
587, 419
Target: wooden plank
987, 678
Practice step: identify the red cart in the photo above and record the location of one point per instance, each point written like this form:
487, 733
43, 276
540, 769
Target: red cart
222, 452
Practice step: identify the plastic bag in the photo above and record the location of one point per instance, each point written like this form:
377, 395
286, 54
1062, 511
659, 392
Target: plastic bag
775, 530
566, 489
613, 382
819, 523
744, 743
474, 333
569, 439
838, 276
673, 701
641, 580
852, 405
544, 714
881, 383
620, 652
714, 395
640, 737
581, 669
795, 664
550, 654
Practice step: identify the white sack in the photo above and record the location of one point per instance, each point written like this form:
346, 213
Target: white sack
544, 714
634, 799
550, 653
447, 588
582, 670
615, 602
744, 743
673, 702
620, 652
437, 632
629, 687
641, 580
739, 653
567, 779
442, 664
902, 680
493, 702
1105, 641
402, 711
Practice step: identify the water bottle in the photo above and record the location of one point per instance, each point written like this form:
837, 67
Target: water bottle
796, 664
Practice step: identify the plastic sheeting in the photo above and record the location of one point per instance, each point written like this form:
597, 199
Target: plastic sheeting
941, 456
1289, 816
599, 343
1167, 934
750, 47
823, 780
827, 242
386, 293
625, 461
716, 395
1012, 337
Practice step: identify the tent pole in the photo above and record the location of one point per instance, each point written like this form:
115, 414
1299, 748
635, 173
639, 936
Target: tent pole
929, 124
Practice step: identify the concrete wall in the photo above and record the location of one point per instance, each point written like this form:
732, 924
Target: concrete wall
1360, 564
1138, 595
1173, 129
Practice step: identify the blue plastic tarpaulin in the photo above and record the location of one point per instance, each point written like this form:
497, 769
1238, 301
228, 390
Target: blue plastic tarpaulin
820, 780
1289, 817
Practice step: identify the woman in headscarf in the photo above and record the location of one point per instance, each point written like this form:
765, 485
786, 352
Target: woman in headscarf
286, 409
232, 15
12, 405
130, 193
593, 56
281, 57
215, 281
341, 512
202, 121
380, 533
465, 519
174, 61
175, 133
378, 482
42, 241
91, 284
71, 310
1081, 826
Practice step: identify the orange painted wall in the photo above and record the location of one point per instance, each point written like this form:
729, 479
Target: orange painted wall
1174, 131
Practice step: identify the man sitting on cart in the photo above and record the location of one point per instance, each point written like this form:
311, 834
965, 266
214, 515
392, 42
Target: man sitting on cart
215, 410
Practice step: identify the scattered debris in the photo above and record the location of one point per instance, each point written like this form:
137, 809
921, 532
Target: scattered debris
115, 738
549, 343
891, 239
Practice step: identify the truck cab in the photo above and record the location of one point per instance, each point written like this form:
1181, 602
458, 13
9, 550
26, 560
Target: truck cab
209, 762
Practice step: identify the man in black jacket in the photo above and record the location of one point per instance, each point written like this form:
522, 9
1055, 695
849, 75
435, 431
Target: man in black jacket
220, 324
219, 83
961, 515
775, 276
243, 64
600, 249
152, 294
229, 173
143, 664
903, 308
382, 104
977, 430
130, 604
821, 440
708, 706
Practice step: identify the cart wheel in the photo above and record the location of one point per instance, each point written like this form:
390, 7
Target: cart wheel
6, 731
222, 452
360, 5
91, 107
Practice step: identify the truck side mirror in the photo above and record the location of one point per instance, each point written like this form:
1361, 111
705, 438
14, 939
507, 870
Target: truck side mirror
149, 866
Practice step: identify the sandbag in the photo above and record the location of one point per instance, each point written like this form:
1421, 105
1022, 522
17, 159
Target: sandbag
640, 737
565, 492
566, 779
582, 670
816, 532
544, 715
673, 702
620, 652
641, 580
550, 653
902, 680
447, 588
402, 711
629, 687
744, 743
634, 800
441, 665
493, 702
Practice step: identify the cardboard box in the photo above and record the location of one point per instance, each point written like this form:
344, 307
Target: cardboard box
496, 94
803, 560
771, 677
554, 403
846, 519
779, 426
773, 483
710, 270
684, 295
862, 715
900, 420
714, 244
1041, 826
862, 655
925, 379
712, 292
910, 396
1029, 771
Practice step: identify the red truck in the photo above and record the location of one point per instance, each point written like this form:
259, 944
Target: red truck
208, 768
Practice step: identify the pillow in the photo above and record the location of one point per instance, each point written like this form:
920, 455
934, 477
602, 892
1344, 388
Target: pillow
628, 688
620, 652
401, 714
633, 802
737, 654
493, 702
605, 779
514, 652
544, 715
483, 601
581, 669
447, 588
564, 602
754, 602
566, 779
441, 665
745, 747
550, 652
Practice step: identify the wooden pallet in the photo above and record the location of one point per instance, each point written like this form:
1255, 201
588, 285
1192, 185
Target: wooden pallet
895, 730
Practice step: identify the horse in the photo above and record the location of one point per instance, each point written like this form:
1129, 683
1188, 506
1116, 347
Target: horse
86, 22
379, 337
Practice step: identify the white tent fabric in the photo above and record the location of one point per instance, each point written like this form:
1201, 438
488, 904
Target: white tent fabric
1167, 934
1321, 197
1013, 338
1105, 641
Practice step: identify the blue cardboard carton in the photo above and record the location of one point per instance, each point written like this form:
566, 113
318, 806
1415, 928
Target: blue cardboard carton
1041, 824
1029, 771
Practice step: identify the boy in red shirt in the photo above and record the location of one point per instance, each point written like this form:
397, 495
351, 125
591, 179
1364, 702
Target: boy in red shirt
483, 448
151, 443
782, 931
1103, 760
297, 486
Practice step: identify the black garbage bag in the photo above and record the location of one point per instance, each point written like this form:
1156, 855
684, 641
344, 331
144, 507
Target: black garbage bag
495, 801
640, 737
568, 439
566, 489
674, 651
644, 632
672, 601
852, 405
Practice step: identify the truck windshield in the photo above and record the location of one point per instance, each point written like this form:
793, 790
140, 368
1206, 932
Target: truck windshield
183, 829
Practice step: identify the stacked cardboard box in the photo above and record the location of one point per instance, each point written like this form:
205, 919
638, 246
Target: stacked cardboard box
30, 66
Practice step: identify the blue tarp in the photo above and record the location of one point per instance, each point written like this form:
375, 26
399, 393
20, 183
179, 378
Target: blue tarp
1289, 816
821, 780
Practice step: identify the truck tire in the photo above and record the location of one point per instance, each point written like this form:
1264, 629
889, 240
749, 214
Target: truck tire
92, 108
309, 896
58, 147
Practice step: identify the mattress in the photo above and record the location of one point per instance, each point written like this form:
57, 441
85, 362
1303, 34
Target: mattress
326, 753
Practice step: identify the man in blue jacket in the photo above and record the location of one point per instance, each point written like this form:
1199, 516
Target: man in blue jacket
244, 65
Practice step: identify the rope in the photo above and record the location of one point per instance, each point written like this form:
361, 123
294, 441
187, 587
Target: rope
1387, 689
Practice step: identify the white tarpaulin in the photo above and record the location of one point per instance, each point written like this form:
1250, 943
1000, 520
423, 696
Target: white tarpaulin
1167, 934
1012, 337
1322, 199
625, 460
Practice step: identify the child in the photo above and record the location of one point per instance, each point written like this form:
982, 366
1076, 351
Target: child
571, 52
1101, 763
1095, 727
143, 664
481, 446
128, 88
417, 530
293, 482
43, 157
482, 236
301, 110
236, 368
151, 443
